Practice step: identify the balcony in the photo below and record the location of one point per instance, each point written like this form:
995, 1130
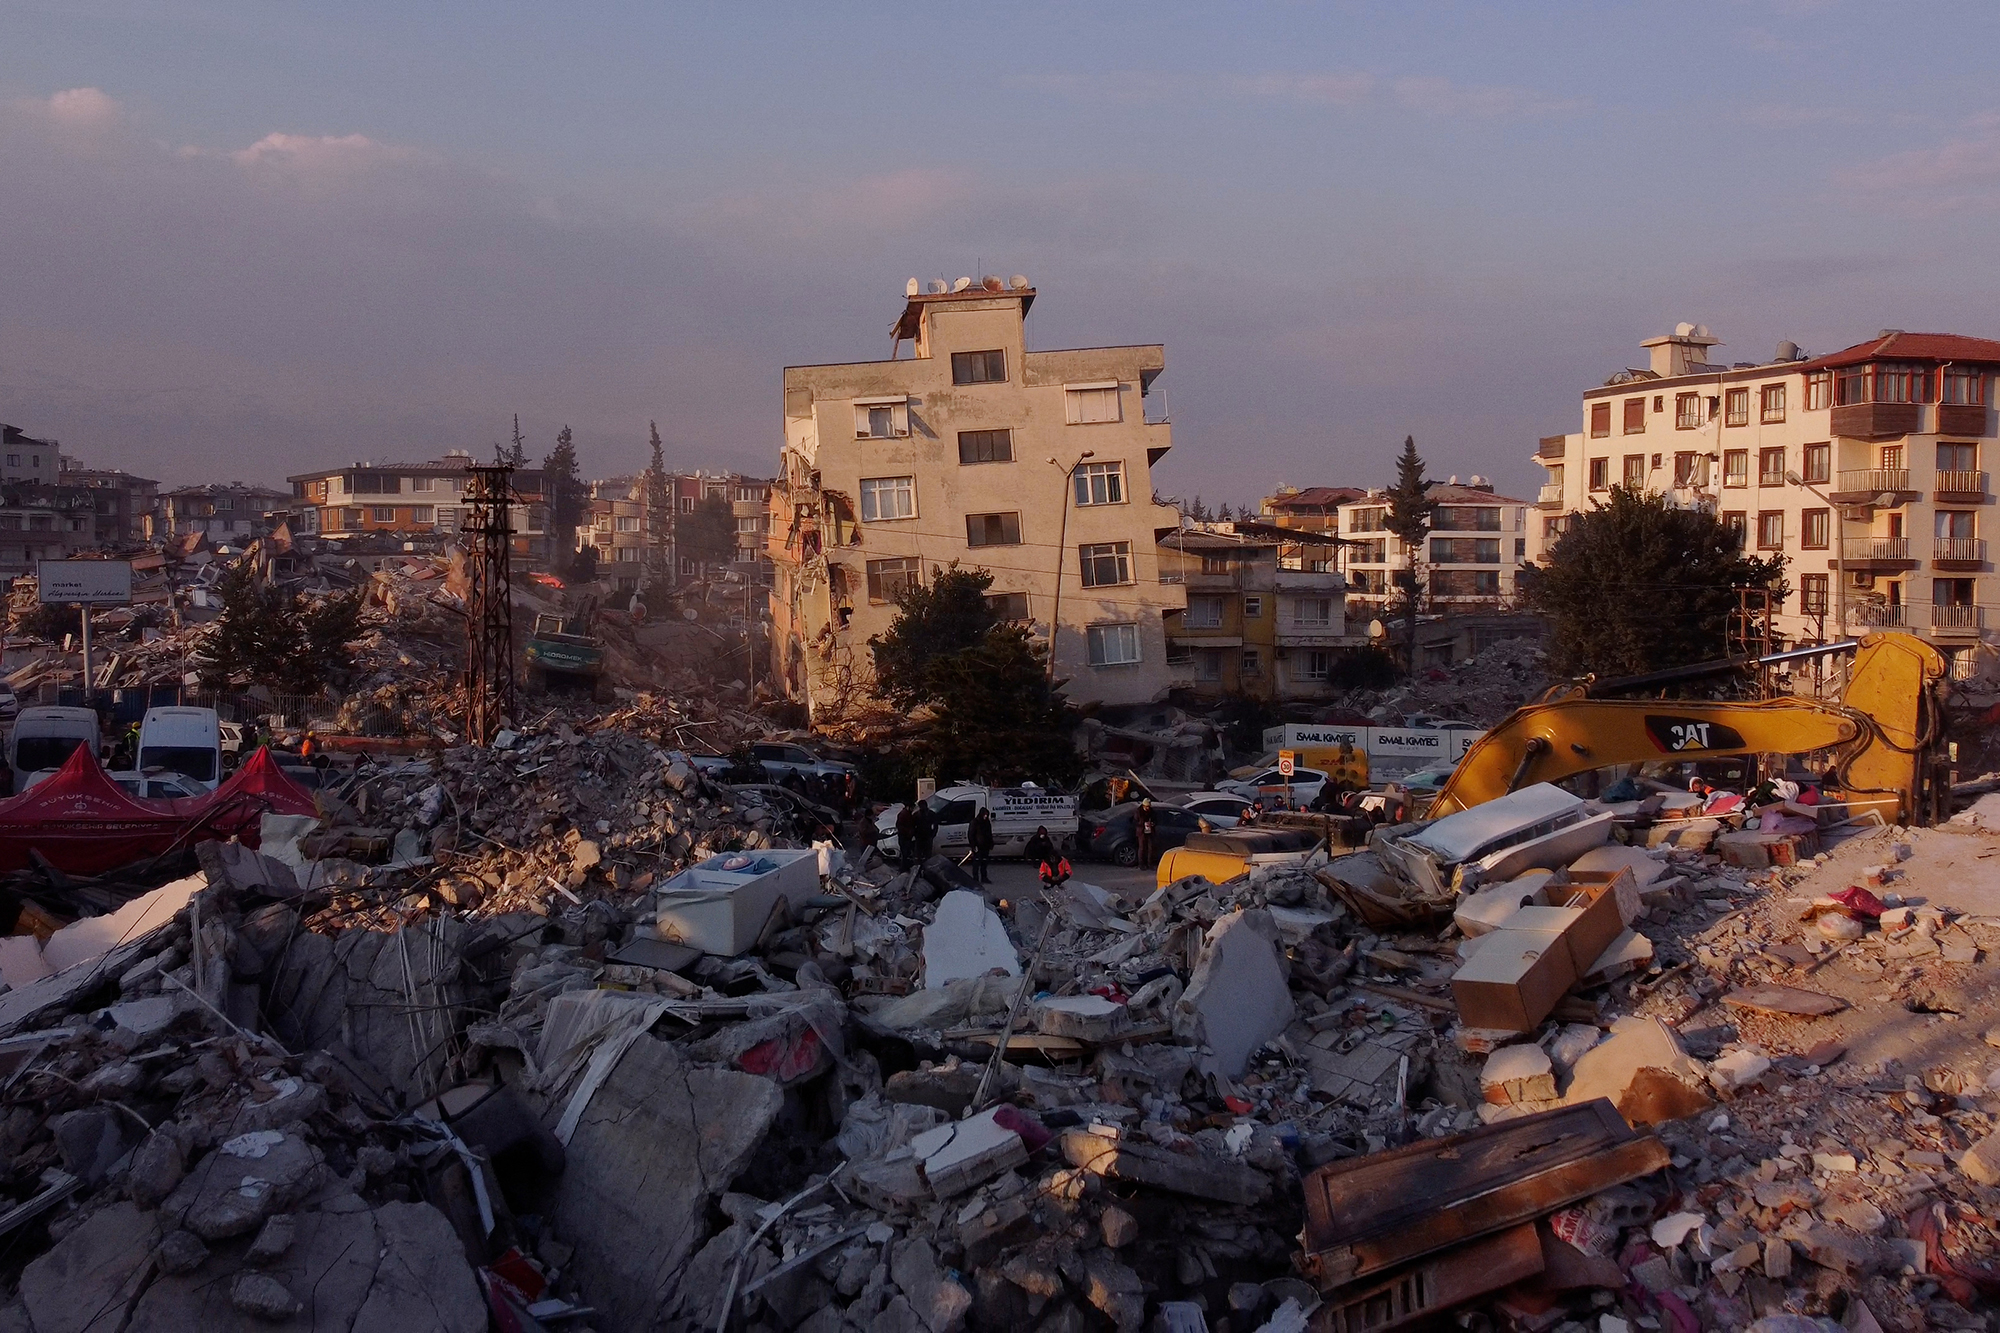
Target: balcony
1963, 419
1876, 553
1878, 615
1329, 581
1953, 620
1964, 488
1551, 446
1311, 636
1550, 496
1966, 553
1854, 488
1875, 421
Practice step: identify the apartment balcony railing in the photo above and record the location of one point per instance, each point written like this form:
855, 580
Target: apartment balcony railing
1875, 551
1956, 619
1879, 615
1551, 446
1864, 485
1959, 553
1550, 496
1960, 487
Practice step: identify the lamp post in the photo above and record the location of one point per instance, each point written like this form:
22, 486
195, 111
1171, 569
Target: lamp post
1062, 544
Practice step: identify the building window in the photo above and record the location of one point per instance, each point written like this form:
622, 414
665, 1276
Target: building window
1659, 402
1253, 662
351, 519
1600, 420
382, 514
1600, 474
986, 446
1813, 527
1635, 416
1482, 519
1552, 529
992, 529
1215, 563
886, 498
1812, 594
1100, 484
745, 524
1091, 404
1318, 666
1374, 552
1771, 466
1819, 462
1771, 404
423, 485
1687, 411
687, 504
1207, 665
1850, 386
1736, 467
1105, 564
1954, 525
1008, 605
1892, 457
888, 578
978, 367
1253, 608
1737, 522
882, 419
1736, 408
1368, 520
1465, 550
1962, 386
13, 460
1819, 391
1635, 472
626, 555
1771, 530
1685, 465
630, 523
1312, 612
1465, 583
1203, 613
1113, 645
423, 514
687, 567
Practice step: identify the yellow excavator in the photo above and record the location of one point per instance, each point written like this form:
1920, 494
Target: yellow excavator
1883, 742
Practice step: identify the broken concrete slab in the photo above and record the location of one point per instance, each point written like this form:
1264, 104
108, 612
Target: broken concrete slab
1084, 1017
655, 1144
1238, 998
1642, 1069
1101, 1151
955, 1157
941, 1303
966, 939
1514, 1075
1490, 908
1789, 1001
247, 1178
88, 1281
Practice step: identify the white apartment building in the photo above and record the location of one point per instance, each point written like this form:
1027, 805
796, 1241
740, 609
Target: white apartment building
1035, 466
1864, 468
1478, 539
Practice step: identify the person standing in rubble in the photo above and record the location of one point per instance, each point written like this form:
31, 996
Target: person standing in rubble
981, 837
906, 836
1148, 826
925, 825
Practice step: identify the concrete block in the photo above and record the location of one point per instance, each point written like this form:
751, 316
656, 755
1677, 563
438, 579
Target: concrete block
966, 939
1084, 1017
1643, 1070
1238, 997
1517, 1074
957, 1156
1489, 908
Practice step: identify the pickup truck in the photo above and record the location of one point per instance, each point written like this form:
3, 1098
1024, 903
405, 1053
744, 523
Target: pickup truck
777, 759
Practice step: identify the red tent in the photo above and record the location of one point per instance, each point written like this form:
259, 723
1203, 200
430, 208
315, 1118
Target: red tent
83, 822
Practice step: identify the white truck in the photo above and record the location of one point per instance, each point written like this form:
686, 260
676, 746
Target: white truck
185, 740
45, 736
1017, 813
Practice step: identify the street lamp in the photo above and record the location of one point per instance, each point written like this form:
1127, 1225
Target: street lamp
1062, 542
1882, 500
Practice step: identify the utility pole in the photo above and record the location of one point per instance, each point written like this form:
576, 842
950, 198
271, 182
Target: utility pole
1062, 545
489, 623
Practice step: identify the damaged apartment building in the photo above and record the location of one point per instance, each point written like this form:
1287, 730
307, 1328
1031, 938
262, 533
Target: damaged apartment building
1034, 466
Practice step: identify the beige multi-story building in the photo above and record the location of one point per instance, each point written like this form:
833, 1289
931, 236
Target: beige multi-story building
1478, 540
1257, 622
1865, 469
1035, 466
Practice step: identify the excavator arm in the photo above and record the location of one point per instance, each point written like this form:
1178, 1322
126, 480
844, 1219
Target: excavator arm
1881, 737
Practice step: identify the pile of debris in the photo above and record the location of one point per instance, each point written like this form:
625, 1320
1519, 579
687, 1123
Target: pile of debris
1481, 690
561, 1033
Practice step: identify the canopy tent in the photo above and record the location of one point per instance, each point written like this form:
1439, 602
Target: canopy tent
82, 822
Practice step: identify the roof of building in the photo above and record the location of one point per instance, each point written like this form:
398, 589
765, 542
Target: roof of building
453, 465
228, 488
1314, 497
985, 289
1202, 539
1898, 345
1443, 492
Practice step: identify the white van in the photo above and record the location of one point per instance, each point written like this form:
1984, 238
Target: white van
186, 740
45, 736
1017, 813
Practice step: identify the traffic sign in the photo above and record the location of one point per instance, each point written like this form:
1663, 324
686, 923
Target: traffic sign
1288, 762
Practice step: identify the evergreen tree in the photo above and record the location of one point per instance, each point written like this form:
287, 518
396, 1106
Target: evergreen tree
947, 615
269, 635
1409, 518
659, 504
518, 455
1639, 585
563, 486
707, 533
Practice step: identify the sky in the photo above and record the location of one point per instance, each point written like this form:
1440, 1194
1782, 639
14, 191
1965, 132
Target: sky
239, 241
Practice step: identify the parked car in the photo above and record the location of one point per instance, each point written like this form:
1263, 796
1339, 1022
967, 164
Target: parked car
715, 766
1220, 808
779, 758
1113, 834
159, 785
1428, 780
1270, 785
10, 703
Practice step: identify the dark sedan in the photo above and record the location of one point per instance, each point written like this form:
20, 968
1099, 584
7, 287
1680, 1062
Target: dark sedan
1113, 834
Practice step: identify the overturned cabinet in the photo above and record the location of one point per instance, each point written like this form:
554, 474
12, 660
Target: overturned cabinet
722, 905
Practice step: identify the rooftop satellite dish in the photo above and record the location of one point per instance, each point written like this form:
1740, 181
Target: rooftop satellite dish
1701, 331
1019, 282
961, 284
912, 287
937, 286
1683, 329
991, 284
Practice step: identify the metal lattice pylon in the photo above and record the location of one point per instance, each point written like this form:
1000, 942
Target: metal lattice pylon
489, 625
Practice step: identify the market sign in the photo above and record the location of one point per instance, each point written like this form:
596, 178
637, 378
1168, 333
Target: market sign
84, 582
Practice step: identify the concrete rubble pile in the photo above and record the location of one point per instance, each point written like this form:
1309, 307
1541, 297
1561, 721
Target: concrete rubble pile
1482, 689
560, 1033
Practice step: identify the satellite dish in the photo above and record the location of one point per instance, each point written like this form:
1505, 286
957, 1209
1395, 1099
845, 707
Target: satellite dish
1701, 331
991, 284
937, 285
912, 287
961, 284
1019, 282
689, 613
1683, 329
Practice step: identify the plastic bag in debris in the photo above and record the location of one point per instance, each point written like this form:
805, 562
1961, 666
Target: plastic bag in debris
831, 859
948, 1005
873, 1126
872, 937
